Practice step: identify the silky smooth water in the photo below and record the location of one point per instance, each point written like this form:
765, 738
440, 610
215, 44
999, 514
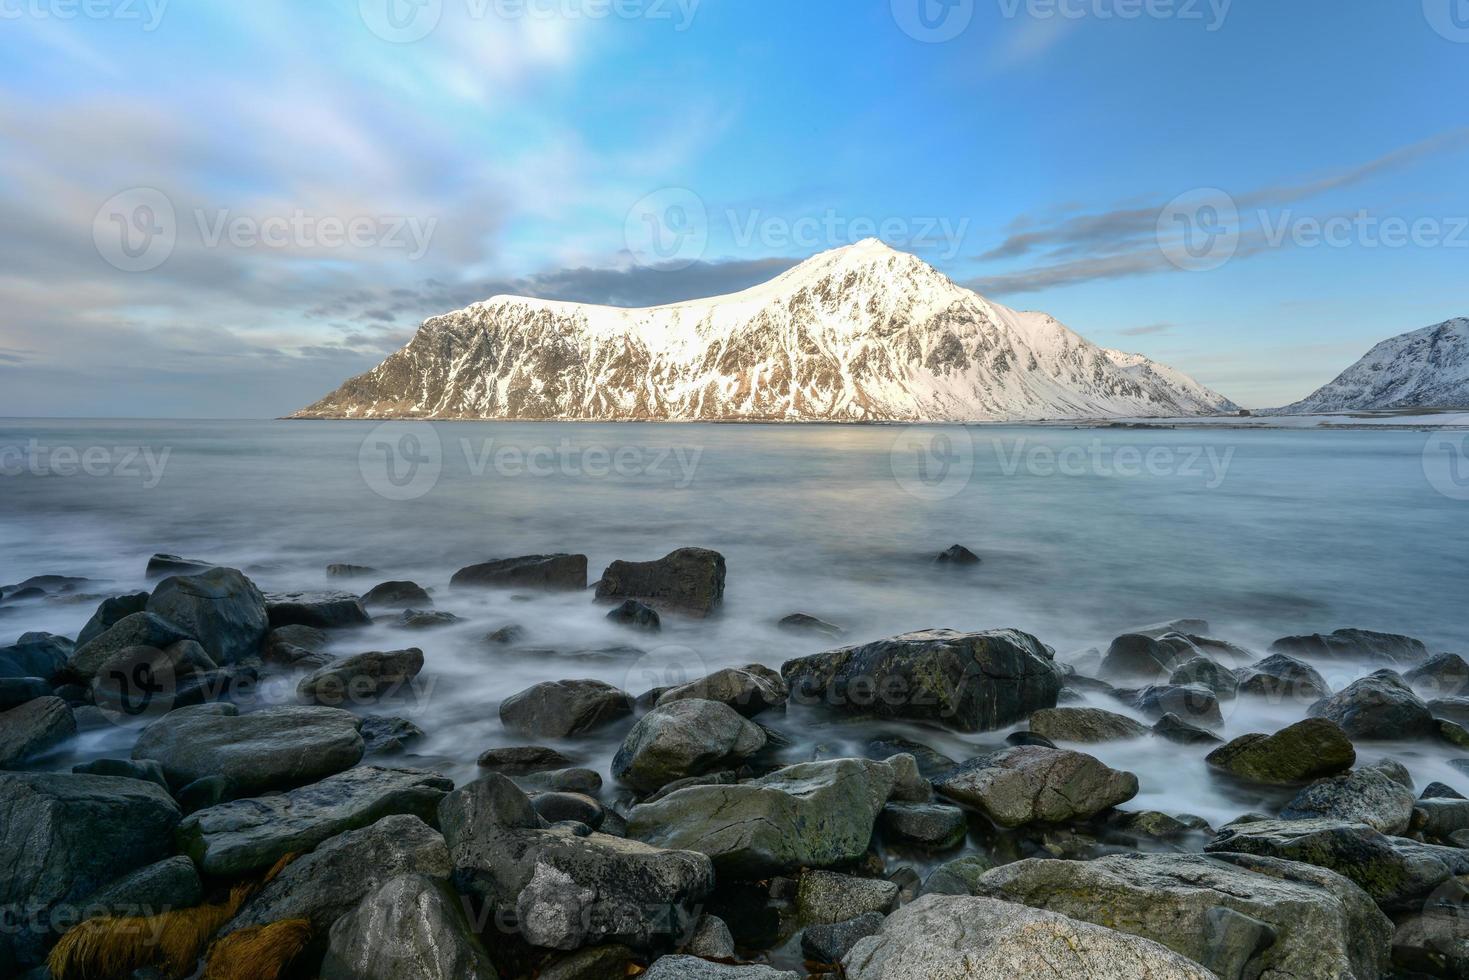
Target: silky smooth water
1084, 533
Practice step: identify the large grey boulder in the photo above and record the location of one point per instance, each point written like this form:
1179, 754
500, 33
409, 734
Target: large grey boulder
968, 681
1297, 753
143, 629
62, 837
1086, 725
928, 826
42, 655
220, 608
551, 572
1354, 644
1444, 675
361, 678
246, 835
814, 814
34, 728
1194, 703
1395, 871
1282, 679
1368, 795
1033, 784
319, 610
410, 928
1141, 656
688, 581
274, 748
327, 883
567, 891
1380, 706
560, 709
825, 897
748, 690
684, 738
1238, 915
967, 938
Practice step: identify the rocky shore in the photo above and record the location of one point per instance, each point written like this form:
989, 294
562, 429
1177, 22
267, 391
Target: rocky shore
682, 831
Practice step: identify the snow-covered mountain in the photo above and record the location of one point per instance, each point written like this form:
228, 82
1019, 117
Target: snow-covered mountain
1426, 368
861, 333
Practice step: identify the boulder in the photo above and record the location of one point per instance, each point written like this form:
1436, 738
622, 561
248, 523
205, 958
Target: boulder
1237, 915
560, 709
1086, 725
829, 943
689, 581
162, 566
693, 968
1395, 871
144, 769
636, 615
361, 678
968, 681
1440, 791
960, 937
16, 691
567, 891
1440, 816
250, 834
320, 610
957, 555
42, 655
1298, 753
931, 762
1435, 941
64, 836
711, 939
1175, 729
270, 749
412, 927
826, 898
1445, 675
814, 814
928, 826
327, 883
385, 734
684, 738
748, 690
1367, 796
397, 595
806, 623
1032, 784
1201, 670
1455, 709
522, 759
1353, 644
425, 619
556, 807
957, 877
109, 613
1282, 680
163, 886
1194, 703
144, 629
1379, 706
550, 572
34, 728
220, 608
1141, 656
506, 635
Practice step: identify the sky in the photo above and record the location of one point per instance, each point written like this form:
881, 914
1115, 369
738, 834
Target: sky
225, 210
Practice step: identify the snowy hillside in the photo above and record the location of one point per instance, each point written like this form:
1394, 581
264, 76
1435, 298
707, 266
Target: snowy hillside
861, 333
1426, 368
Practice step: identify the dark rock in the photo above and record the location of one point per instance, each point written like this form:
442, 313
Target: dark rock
826, 898
45, 585
588, 782
930, 826
342, 570
1175, 729
748, 690
1438, 791
1298, 753
42, 655
1455, 709
957, 877
1202, 670
684, 738
1353, 644
829, 943
553, 572
1193, 703
560, 709
634, 614
362, 677
1282, 680
930, 761
520, 760
16, 691
806, 623
411, 928
1435, 941
711, 939
220, 608
274, 748
693, 968
33, 729
1445, 675
1441, 817
608, 962
1141, 656
144, 769
109, 613
203, 793
506, 635
556, 807
1084, 725
170, 884
389, 734
397, 595
957, 555
294, 638
1030, 784
246, 835
688, 581
162, 566
1030, 738
144, 629
968, 681
320, 610
1368, 796
425, 619
1379, 706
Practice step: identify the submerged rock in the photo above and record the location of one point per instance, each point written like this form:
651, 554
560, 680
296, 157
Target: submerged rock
1175, 729
957, 555
829, 943
560, 709
968, 681
550, 572
361, 678
684, 738
426, 619
1445, 675
636, 615
220, 608
34, 728
523, 759
1379, 706
1031, 784
688, 581
322, 610
162, 566
397, 595
1354, 644
1297, 753
806, 623
1145, 656
410, 928
1084, 725
42, 655
1282, 679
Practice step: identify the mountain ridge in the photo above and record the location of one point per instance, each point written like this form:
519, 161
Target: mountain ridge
1424, 368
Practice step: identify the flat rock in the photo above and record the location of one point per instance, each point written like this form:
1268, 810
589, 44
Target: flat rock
362, 678
929, 826
968, 681
34, 728
220, 608
684, 738
411, 927
548, 572
1380, 706
321, 610
1032, 784
522, 759
958, 937
1298, 753
748, 690
1086, 725
806, 623
270, 749
246, 835
384, 734
825, 897
426, 619
560, 709
1354, 644
345, 570
689, 581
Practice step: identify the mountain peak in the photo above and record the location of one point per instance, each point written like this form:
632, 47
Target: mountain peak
1423, 368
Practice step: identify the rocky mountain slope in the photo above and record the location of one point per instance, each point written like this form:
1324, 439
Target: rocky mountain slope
1426, 368
861, 333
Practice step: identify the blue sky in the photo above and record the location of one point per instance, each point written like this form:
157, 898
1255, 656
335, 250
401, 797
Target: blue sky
1026, 147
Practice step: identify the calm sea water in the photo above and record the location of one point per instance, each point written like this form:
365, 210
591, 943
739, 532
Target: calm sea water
1084, 533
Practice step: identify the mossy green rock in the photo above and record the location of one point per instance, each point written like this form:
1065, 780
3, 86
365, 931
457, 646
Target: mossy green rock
1298, 753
